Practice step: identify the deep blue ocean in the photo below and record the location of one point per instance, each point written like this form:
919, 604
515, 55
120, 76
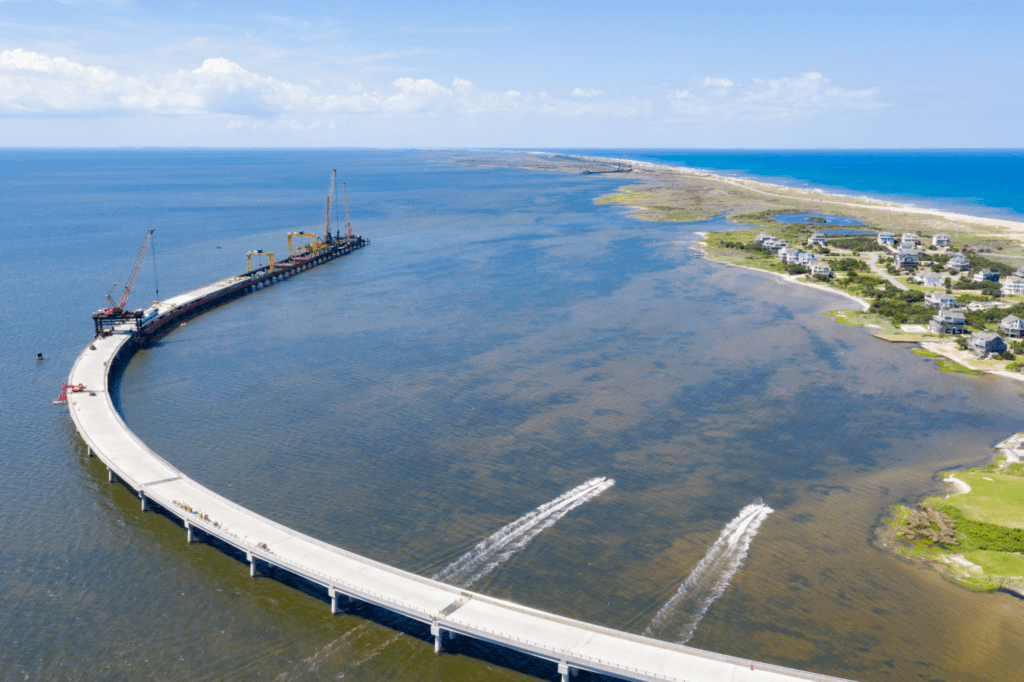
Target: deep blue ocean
985, 182
502, 340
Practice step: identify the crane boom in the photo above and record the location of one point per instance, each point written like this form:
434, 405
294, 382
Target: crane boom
330, 201
135, 269
348, 223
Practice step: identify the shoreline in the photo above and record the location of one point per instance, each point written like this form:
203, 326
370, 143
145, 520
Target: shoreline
773, 190
971, 566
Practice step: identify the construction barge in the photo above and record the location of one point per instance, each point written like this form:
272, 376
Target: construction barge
163, 316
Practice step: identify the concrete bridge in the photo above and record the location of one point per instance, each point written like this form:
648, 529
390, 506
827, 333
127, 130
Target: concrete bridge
572, 645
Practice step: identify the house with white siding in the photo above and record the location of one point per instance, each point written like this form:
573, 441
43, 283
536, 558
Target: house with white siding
1012, 326
939, 299
1013, 286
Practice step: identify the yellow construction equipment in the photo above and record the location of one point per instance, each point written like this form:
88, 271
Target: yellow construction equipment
312, 249
250, 254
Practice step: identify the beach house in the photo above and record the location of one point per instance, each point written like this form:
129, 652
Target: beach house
1012, 326
819, 267
910, 239
793, 257
939, 299
930, 279
785, 252
941, 239
1019, 272
761, 237
984, 343
908, 259
806, 258
817, 239
957, 263
1013, 286
986, 275
947, 321
886, 238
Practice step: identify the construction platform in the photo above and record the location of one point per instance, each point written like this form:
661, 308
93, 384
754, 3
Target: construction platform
570, 644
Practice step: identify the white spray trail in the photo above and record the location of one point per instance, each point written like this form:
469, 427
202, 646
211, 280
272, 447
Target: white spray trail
498, 547
708, 580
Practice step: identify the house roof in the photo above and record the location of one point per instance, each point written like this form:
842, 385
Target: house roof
985, 336
1011, 319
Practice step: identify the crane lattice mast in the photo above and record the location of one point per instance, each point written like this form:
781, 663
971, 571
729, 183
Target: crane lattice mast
131, 277
330, 202
348, 223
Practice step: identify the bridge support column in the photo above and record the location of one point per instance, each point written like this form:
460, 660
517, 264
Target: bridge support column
142, 496
564, 669
334, 600
110, 475
88, 449
252, 566
438, 634
188, 527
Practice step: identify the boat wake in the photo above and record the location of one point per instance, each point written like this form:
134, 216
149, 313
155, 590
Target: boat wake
708, 580
500, 546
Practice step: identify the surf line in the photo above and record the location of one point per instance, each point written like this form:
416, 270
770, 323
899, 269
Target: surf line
708, 580
509, 540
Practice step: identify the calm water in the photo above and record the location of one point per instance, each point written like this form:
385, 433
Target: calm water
828, 219
502, 341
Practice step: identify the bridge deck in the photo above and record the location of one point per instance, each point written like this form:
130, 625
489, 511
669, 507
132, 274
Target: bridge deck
573, 643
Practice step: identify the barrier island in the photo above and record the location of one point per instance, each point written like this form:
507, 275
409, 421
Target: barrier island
975, 535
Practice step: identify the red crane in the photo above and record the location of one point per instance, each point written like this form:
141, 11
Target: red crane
117, 308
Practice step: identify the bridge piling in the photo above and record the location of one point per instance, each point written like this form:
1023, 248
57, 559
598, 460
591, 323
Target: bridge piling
334, 601
438, 634
142, 496
252, 566
110, 475
188, 538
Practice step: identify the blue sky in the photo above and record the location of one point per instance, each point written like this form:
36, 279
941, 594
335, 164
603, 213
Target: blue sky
522, 74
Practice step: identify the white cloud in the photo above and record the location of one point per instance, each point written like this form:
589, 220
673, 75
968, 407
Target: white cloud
32, 83
808, 95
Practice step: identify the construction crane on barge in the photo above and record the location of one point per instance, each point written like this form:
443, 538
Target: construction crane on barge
107, 318
331, 201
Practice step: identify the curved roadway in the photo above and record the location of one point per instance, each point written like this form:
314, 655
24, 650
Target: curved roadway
447, 609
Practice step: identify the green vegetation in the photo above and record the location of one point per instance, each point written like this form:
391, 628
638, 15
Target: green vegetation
861, 243
997, 563
982, 535
924, 353
950, 366
977, 536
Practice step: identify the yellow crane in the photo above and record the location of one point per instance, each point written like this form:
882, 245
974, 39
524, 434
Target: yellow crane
312, 249
260, 253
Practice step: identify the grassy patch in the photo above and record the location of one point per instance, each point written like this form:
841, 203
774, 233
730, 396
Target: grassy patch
924, 353
995, 498
950, 366
997, 563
